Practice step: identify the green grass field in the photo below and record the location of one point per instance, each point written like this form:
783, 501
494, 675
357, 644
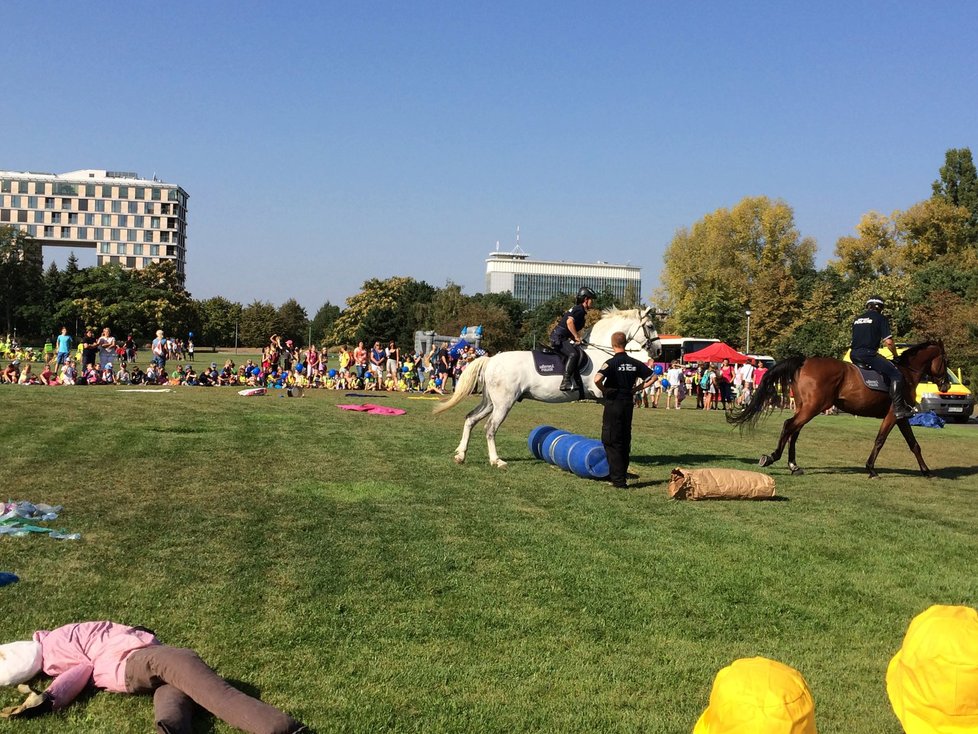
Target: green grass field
344, 568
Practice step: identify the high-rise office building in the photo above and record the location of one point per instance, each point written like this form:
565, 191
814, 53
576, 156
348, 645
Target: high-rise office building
535, 281
126, 219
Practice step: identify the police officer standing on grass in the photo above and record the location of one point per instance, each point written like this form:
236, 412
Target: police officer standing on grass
616, 380
567, 335
868, 331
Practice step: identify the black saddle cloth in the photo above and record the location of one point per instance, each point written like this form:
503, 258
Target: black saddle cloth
549, 362
873, 379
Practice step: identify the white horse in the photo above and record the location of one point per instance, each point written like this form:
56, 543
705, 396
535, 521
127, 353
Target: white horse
510, 376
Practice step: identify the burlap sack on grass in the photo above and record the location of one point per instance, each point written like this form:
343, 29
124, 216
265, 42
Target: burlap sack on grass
720, 484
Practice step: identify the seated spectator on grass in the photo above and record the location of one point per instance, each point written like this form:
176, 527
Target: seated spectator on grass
123, 377
121, 659
69, 375
152, 374
47, 377
759, 696
11, 373
92, 375
27, 377
932, 681
137, 376
208, 378
107, 377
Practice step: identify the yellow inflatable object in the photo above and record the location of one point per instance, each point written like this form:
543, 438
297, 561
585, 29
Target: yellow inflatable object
932, 681
758, 696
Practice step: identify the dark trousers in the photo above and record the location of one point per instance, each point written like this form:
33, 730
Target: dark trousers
178, 679
616, 435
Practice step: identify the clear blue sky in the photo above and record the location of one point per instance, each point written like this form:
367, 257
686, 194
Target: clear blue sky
325, 143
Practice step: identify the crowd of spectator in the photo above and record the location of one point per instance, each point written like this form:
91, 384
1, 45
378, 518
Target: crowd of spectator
714, 386
104, 360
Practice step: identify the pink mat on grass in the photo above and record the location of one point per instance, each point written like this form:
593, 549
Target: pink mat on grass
373, 409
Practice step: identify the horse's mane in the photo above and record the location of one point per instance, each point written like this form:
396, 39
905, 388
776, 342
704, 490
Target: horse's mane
613, 311
904, 357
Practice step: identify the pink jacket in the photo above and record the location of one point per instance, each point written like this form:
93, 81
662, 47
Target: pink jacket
77, 653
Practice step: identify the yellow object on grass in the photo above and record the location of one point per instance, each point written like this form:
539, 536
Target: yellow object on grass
932, 681
758, 696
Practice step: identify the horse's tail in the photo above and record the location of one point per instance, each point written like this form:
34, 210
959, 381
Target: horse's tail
770, 394
466, 384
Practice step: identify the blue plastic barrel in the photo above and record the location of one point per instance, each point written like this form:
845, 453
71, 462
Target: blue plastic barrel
547, 444
561, 447
588, 459
535, 439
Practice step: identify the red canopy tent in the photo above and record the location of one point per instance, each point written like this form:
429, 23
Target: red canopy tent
717, 352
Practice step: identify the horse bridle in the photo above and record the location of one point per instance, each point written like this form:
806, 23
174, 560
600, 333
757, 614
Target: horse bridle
644, 325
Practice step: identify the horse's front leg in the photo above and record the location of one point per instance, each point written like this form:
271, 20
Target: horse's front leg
884, 431
484, 408
911, 440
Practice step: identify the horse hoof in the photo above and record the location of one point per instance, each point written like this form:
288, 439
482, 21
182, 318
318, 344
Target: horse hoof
765, 460
499, 464
797, 470
459, 458
874, 475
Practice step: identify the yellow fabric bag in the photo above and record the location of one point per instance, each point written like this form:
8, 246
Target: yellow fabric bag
932, 681
758, 696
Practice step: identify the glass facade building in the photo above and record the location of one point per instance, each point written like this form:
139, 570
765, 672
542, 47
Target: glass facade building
535, 281
116, 213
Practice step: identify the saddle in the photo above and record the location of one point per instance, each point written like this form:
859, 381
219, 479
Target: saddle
550, 362
872, 379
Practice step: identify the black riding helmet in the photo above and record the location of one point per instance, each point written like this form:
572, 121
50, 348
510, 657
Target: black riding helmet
875, 302
584, 293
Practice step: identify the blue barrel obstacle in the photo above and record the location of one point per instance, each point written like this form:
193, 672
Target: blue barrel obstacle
569, 451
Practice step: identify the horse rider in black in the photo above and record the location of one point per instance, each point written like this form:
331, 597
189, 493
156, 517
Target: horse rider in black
868, 331
567, 335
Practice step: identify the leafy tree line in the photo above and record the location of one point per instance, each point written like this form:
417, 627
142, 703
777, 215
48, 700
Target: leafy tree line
923, 261
37, 304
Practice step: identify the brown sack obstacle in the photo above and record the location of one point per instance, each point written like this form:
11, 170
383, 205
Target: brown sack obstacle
720, 484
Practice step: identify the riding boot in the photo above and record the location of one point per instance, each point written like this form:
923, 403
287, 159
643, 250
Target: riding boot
570, 372
900, 408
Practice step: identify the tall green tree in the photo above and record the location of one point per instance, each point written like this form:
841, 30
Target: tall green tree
323, 321
219, 318
729, 252
258, 323
958, 186
292, 322
21, 280
383, 309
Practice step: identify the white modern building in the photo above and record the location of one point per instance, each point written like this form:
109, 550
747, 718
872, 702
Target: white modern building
127, 220
535, 281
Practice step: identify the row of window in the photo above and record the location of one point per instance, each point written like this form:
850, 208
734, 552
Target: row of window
49, 232
15, 201
535, 289
128, 262
107, 191
106, 220
89, 220
82, 233
105, 248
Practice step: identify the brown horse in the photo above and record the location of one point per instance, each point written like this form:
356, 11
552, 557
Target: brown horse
818, 383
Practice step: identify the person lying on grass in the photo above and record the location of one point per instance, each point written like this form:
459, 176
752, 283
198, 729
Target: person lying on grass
125, 659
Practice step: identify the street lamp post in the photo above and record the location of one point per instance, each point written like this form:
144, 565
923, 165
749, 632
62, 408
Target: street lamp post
748, 329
